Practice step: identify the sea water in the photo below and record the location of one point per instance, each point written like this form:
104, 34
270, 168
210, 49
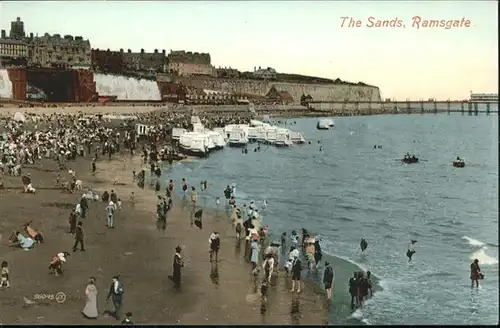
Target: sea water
350, 190
5, 85
126, 88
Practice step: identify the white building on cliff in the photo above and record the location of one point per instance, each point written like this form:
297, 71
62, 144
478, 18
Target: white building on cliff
264, 73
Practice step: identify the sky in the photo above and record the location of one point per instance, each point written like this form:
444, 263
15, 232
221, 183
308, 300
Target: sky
302, 37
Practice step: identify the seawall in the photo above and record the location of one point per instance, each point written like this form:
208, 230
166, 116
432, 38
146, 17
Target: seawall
319, 92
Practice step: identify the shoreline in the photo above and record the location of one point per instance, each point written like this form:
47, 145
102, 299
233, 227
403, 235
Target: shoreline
340, 311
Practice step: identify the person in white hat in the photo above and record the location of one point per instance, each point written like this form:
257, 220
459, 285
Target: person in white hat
55, 266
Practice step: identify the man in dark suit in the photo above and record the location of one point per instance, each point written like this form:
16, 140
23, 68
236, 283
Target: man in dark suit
116, 295
85, 206
79, 237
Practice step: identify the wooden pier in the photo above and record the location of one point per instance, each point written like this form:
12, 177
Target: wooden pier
406, 107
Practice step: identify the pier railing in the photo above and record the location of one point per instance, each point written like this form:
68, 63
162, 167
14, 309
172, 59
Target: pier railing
405, 107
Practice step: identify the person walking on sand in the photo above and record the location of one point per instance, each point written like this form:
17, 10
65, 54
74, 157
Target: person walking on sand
296, 271
194, 198
214, 241
72, 222
328, 278
116, 295
113, 197
84, 205
268, 267
90, 310
79, 237
178, 263
5, 281
254, 257
110, 210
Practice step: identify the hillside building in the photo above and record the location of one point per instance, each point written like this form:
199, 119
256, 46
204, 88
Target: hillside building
184, 63
268, 73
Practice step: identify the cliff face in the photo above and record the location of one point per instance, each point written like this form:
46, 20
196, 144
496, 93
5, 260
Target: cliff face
319, 92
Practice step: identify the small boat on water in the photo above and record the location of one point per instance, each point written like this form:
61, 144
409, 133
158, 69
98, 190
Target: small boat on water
458, 163
410, 160
323, 124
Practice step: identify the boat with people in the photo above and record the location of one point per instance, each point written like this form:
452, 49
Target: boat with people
323, 124
409, 159
459, 162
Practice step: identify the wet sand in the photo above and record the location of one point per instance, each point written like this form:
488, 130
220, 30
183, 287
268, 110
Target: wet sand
139, 253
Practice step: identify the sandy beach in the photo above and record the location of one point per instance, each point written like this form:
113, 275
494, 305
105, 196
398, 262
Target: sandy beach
138, 252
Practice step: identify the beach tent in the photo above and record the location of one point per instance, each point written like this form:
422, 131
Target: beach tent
19, 117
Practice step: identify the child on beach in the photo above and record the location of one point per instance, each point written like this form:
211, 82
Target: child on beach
119, 204
4, 282
217, 202
132, 198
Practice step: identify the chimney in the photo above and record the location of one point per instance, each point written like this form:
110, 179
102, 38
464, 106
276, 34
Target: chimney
156, 51
254, 68
31, 35
3, 34
163, 52
129, 51
142, 51
121, 50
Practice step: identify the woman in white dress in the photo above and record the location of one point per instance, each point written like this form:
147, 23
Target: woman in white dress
90, 310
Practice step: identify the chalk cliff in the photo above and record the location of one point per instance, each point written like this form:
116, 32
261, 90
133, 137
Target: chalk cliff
319, 92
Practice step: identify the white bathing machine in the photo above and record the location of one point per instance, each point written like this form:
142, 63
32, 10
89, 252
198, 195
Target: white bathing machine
142, 131
331, 122
194, 144
237, 134
177, 132
217, 139
323, 124
297, 137
283, 138
237, 138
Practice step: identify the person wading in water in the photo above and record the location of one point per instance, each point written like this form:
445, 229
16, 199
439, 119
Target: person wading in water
328, 277
475, 274
353, 290
410, 251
